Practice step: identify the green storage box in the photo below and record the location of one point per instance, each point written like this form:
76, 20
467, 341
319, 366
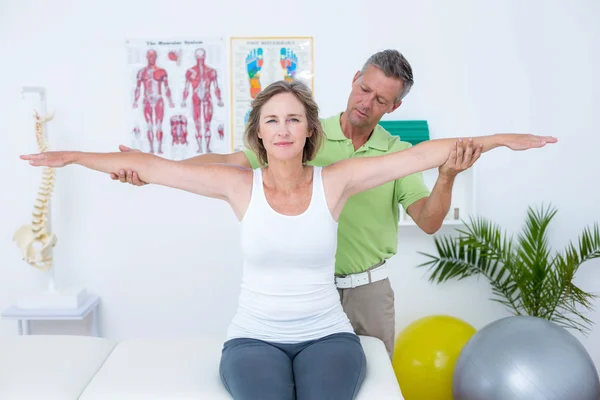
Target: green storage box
413, 132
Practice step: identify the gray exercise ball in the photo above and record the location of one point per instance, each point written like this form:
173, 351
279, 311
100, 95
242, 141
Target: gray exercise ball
525, 358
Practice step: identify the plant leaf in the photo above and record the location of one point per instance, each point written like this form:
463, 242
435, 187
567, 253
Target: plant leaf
523, 274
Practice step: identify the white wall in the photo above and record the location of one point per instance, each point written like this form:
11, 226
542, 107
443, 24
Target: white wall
167, 262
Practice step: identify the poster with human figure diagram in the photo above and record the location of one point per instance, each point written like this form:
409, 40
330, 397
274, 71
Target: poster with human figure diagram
257, 62
177, 97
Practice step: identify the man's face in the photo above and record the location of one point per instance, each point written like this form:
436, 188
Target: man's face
373, 95
200, 54
151, 56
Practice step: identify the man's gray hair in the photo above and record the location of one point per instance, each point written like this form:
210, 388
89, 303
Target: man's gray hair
394, 65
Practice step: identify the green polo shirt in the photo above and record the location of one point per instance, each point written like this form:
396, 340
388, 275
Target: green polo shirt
368, 225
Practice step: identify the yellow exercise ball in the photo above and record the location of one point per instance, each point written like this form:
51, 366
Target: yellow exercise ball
425, 353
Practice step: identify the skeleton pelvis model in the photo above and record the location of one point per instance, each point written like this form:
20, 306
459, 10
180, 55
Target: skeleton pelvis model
34, 240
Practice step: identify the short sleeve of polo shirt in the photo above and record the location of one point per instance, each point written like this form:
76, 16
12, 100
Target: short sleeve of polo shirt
252, 158
412, 187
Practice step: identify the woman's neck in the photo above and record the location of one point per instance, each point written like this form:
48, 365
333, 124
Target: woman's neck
285, 176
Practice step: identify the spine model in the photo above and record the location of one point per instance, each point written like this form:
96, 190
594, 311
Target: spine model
35, 240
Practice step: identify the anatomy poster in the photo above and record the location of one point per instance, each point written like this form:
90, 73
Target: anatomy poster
176, 97
257, 62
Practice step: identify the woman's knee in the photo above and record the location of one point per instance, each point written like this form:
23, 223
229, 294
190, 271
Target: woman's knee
333, 368
251, 369
347, 347
344, 345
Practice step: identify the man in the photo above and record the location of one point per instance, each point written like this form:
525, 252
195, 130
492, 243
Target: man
153, 78
367, 239
201, 77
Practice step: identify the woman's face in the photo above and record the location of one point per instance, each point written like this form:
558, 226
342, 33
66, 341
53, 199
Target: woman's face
283, 127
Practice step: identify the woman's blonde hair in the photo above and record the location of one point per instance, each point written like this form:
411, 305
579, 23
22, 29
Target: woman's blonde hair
304, 95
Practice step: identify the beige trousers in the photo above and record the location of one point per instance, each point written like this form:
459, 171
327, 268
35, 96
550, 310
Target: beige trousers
370, 309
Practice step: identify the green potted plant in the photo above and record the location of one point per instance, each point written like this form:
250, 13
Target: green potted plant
524, 275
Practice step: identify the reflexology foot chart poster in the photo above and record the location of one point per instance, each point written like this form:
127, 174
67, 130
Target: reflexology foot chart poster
257, 62
176, 97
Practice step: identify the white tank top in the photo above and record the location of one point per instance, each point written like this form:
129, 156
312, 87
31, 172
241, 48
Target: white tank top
288, 292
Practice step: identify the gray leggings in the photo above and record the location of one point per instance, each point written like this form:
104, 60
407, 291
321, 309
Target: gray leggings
329, 368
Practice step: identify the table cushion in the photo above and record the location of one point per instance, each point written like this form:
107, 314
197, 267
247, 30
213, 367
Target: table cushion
171, 368
49, 367
179, 368
380, 380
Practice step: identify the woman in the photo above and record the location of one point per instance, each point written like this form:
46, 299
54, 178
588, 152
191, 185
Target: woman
290, 337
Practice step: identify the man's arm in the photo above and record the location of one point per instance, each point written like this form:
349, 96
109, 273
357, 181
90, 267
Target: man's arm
165, 80
138, 85
186, 88
217, 89
429, 212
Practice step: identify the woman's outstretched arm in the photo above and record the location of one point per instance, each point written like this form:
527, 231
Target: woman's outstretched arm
210, 180
360, 174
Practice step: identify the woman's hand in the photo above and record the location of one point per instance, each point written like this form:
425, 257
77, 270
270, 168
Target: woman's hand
523, 141
54, 159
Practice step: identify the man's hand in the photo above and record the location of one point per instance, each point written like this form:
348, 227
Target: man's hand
429, 212
462, 157
128, 176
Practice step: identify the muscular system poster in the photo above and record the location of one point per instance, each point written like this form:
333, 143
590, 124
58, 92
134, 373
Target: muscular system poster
177, 97
257, 62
